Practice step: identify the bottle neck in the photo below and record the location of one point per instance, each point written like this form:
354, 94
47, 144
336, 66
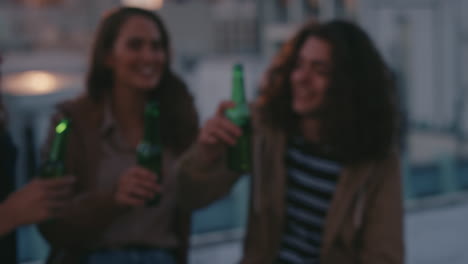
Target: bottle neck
58, 145
152, 130
238, 91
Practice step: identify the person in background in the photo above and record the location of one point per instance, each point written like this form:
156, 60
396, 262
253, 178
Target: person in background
37, 201
326, 184
108, 221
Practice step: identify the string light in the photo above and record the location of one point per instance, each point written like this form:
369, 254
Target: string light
146, 4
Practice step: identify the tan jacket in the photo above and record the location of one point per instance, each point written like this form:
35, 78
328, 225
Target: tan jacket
72, 235
364, 221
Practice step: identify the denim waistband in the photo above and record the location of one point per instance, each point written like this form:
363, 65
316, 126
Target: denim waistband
131, 254
136, 247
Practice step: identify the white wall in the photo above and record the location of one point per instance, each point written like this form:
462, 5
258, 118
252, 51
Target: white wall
191, 27
432, 51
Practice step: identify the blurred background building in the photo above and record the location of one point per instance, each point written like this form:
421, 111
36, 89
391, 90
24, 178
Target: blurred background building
425, 43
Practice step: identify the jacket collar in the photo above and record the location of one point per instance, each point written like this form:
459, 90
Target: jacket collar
108, 121
352, 181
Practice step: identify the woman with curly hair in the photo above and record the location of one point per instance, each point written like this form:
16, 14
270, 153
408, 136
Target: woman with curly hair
326, 178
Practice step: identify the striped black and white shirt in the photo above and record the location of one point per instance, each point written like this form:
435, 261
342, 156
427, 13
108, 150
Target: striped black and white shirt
312, 176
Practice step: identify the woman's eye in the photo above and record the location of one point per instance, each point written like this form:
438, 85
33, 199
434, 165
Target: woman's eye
134, 44
157, 45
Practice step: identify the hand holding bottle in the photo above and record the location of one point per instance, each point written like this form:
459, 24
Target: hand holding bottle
39, 200
135, 187
218, 133
230, 126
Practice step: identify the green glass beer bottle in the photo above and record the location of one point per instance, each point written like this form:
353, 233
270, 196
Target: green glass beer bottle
54, 166
239, 156
149, 151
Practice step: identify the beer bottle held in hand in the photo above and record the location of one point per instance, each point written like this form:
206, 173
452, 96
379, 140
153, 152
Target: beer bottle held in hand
149, 151
54, 166
239, 156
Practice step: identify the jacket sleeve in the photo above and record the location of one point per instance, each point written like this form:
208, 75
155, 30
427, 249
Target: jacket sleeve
89, 211
383, 220
202, 183
256, 241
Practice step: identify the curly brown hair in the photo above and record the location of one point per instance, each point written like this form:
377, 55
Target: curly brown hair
2, 108
178, 116
359, 119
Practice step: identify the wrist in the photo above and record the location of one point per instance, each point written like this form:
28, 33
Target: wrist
10, 219
204, 157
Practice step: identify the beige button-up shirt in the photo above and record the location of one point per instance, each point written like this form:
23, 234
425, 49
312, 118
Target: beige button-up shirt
146, 226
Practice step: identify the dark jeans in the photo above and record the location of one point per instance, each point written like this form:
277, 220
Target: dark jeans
132, 256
